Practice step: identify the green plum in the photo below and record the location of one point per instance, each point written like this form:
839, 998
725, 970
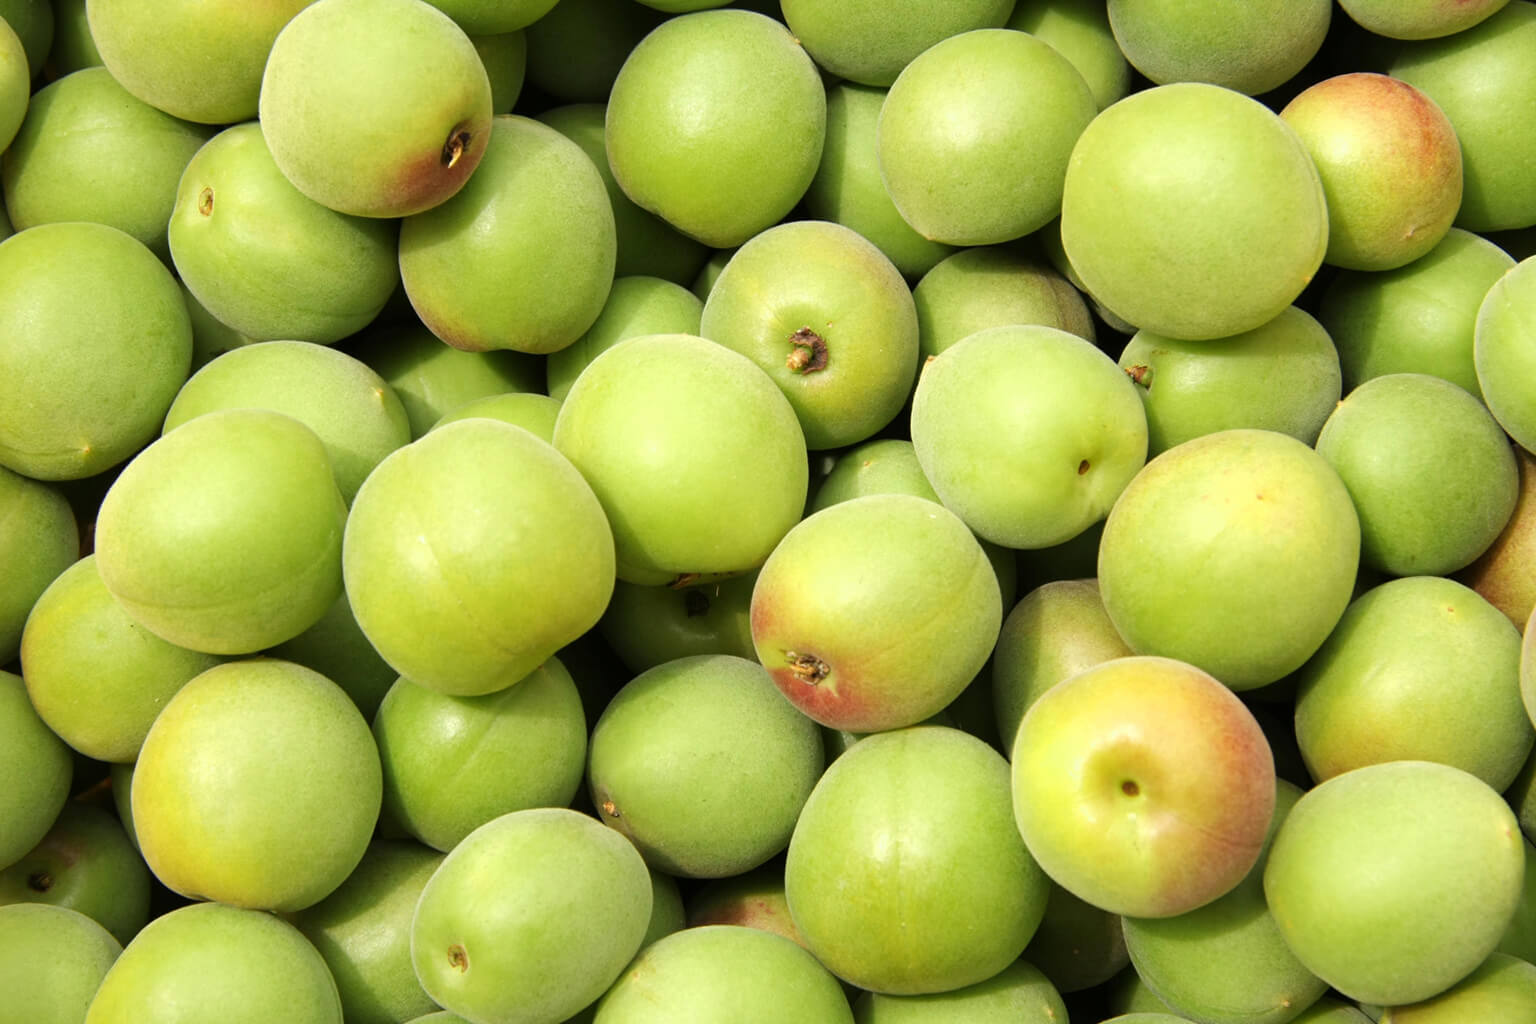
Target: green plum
575, 51
1503, 988
1143, 786
1390, 164
534, 413
1221, 239
569, 910
703, 765
1520, 938
862, 41
505, 56
954, 122
225, 535
1078, 946
482, 17
453, 763
694, 452
1018, 994
39, 540
336, 647
15, 84
33, 23
52, 961
875, 613
257, 786
162, 51
1482, 80
1500, 353
1080, 31
1394, 881
210, 338
98, 342
1086, 431
1202, 558
377, 108
265, 259
353, 411
1419, 19
522, 257
647, 626
906, 874
1499, 574
1252, 48
1328, 1010
636, 306
1283, 375
363, 930
73, 47
1430, 472
994, 286
35, 773
753, 899
87, 864
473, 554
716, 123
829, 318
208, 961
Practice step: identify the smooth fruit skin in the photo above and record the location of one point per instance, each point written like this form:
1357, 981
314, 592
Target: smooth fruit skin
377, 108
1080, 31
1018, 994
859, 39
1235, 552
1221, 239
35, 772
716, 123
646, 626
52, 961
486, 17
1390, 164
87, 864
38, 542
1501, 353
993, 286
1419, 19
906, 874
1252, 49
162, 51
473, 554
257, 786
522, 257
1143, 786
1503, 988
569, 909
208, 961
15, 84
636, 306
1394, 881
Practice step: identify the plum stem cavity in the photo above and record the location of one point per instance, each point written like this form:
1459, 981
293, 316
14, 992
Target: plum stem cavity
458, 958
40, 881
1129, 788
453, 149
808, 352
807, 668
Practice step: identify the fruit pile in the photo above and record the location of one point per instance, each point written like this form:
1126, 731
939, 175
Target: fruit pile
784, 511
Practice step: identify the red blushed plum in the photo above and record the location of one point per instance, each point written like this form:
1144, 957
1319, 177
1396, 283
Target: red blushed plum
876, 612
906, 874
1143, 786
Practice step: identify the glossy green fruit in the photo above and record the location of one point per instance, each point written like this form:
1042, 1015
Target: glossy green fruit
52, 961
860, 40
1252, 49
38, 541
35, 772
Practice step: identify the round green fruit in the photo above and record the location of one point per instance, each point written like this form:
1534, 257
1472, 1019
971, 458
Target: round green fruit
39, 540
1252, 48
35, 773
52, 961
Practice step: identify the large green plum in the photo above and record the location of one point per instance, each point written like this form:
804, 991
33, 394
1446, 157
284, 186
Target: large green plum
1018, 994
208, 961
39, 540
1484, 82
1430, 473
829, 318
1394, 881
979, 400
95, 676
636, 306
1419, 668
866, 42
474, 554
876, 612
1143, 786
703, 765
1390, 164
258, 786
575, 51
15, 84
1419, 318
453, 763
906, 874
1225, 962
378, 108
568, 910
647, 245
225, 535
953, 125
89, 150
1503, 988
849, 190
1419, 19
522, 257
265, 259
694, 452
1056, 631
1251, 48
97, 342
716, 123
724, 972
1219, 240
993, 286
354, 412
197, 60
363, 930
646, 626
87, 864
1283, 375
52, 961
1236, 552
1080, 31
35, 773
1501, 351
